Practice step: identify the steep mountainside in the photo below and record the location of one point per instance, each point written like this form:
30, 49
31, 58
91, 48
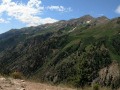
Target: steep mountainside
71, 52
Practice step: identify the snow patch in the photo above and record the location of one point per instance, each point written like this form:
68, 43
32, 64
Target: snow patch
88, 21
72, 29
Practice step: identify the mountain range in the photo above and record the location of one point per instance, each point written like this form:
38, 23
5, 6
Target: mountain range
75, 52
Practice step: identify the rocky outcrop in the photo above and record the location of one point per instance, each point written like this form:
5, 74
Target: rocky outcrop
109, 76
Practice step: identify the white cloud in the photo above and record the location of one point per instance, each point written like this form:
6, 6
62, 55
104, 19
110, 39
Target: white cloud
26, 13
33, 3
118, 10
3, 21
59, 8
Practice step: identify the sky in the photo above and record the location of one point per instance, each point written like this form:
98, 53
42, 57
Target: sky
15, 14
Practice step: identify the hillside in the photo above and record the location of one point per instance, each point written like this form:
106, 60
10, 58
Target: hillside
72, 52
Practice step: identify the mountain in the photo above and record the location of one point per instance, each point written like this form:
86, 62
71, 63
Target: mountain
76, 52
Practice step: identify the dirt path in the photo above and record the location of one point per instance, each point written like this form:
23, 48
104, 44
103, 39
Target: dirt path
16, 84
39, 86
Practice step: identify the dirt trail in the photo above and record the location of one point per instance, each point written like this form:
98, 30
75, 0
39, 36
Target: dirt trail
16, 84
39, 86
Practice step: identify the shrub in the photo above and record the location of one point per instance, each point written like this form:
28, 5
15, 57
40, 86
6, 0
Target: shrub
17, 75
95, 87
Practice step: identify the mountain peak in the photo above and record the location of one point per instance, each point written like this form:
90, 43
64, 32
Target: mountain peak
87, 17
82, 20
103, 18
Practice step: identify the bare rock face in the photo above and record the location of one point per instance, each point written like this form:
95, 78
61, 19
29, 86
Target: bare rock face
109, 76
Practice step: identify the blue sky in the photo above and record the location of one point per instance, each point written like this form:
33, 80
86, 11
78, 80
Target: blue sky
22, 13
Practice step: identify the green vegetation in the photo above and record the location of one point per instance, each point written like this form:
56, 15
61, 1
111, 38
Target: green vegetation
96, 87
50, 53
17, 75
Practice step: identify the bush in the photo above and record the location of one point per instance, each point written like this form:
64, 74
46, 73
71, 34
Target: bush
17, 75
95, 87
